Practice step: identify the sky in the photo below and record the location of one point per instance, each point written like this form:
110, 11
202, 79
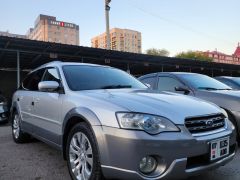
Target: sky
175, 25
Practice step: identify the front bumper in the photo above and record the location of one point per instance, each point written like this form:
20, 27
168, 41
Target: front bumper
121, 151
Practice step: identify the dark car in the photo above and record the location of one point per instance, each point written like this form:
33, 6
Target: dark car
200, 86
4, 110
233, 82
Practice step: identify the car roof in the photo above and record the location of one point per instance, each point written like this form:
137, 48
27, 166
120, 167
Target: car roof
177, 73
225, 77
166, 73
60, 63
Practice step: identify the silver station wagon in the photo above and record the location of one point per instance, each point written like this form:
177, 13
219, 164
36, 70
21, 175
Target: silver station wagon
110, 125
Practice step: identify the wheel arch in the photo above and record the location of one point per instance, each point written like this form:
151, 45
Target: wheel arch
14, 108
74, 117
232, 118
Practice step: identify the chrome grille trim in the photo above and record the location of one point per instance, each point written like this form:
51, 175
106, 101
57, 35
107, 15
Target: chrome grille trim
205, 124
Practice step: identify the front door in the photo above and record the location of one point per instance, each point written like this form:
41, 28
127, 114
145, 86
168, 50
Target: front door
47, 109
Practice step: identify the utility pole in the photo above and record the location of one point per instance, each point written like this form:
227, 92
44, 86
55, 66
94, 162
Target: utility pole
107, 9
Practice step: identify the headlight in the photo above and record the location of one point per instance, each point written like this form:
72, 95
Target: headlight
224, 112
149, 123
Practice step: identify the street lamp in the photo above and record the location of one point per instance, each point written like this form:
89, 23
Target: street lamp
107, 9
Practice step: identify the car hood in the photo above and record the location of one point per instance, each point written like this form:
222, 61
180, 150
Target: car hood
170, 105
227, 99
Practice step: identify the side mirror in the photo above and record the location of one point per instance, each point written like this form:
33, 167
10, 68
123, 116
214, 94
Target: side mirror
183, 89
48, 86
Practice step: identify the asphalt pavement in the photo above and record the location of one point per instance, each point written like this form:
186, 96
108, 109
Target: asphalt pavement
38, 161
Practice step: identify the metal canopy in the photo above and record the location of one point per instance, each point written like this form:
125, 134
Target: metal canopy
34, 53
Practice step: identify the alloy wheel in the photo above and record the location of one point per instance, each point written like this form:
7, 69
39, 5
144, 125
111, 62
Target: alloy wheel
16, 126
81, 156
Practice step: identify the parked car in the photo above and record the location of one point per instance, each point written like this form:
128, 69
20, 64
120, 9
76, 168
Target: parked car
200, 86
108, 124
4, 110
233, 82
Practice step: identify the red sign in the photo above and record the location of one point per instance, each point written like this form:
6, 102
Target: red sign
62, 24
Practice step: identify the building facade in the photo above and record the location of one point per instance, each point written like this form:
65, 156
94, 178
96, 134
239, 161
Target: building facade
6, 33
47, 28
224, 58
121, 40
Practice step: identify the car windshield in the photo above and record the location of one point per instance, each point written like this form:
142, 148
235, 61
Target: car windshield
83, 77
199, 81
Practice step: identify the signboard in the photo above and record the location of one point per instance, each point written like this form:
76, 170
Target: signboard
62, 24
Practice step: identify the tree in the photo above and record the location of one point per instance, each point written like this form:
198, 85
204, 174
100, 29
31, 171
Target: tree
157, 52
195, 55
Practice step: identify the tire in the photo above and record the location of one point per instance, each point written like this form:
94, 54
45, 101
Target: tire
18, 135
82, 154
232, 119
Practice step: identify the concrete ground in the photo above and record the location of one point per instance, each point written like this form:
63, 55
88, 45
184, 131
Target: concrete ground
38, 161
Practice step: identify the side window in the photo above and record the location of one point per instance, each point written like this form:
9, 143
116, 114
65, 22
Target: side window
51, 75
229, 83
149, 81
32, 80
26, 81
168, 83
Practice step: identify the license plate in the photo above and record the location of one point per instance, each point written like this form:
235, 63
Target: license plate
219, 148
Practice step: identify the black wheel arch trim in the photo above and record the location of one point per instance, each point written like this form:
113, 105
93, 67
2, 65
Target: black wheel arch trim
83, 113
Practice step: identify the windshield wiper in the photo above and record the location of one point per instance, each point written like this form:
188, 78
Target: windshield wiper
208, 88
225, 89
116, 86
213, 89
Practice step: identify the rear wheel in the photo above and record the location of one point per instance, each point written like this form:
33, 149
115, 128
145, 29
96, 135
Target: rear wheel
18, 135
82, 154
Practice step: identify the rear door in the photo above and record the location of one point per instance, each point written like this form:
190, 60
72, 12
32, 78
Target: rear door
47, 109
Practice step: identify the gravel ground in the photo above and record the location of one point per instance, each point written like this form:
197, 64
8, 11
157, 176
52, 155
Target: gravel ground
38, 161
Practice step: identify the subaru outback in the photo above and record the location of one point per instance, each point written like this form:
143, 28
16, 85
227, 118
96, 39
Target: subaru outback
108, 124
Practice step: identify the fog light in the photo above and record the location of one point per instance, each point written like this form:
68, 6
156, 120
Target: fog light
148, 164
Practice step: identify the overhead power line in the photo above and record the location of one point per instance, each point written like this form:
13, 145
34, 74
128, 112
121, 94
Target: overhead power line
179, 25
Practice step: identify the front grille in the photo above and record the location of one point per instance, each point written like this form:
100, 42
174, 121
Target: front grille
205, 123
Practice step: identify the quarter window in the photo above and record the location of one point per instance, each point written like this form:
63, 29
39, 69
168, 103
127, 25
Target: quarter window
51, 75
149, 81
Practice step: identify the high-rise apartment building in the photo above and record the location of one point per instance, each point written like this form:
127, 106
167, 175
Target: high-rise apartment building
121, 40
47, 28
6, 33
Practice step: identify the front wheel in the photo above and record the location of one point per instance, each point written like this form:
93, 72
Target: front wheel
82, 154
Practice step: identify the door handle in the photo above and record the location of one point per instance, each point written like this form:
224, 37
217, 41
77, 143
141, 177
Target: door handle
32, 103
19, 98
